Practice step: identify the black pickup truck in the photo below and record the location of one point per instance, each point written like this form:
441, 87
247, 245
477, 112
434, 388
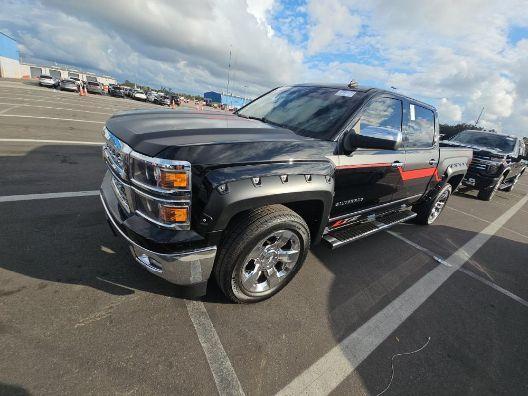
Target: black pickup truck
498, 161
242, 196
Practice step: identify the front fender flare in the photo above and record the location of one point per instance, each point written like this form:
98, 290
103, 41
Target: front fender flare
244, 195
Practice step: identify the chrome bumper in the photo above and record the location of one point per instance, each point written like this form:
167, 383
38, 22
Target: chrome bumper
182, 268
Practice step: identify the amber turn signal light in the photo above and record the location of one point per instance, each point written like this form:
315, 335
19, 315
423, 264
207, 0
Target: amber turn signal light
173, 180
172, 214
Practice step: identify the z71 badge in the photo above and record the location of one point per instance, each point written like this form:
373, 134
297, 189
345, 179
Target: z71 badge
349, 202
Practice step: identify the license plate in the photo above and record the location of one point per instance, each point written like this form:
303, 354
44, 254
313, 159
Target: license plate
470, 181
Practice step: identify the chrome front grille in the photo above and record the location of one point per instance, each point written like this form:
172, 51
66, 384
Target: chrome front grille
478, 164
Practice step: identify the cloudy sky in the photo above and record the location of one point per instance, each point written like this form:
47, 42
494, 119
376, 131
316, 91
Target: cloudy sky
458, 54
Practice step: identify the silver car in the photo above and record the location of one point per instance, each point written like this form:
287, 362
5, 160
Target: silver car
45, 80
69, 85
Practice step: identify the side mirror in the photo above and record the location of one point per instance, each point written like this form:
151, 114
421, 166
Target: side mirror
373, 138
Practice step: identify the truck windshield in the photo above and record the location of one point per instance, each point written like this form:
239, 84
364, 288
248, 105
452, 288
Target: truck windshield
309, 111
500, 143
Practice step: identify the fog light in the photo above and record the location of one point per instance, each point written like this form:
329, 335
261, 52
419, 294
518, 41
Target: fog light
173, 214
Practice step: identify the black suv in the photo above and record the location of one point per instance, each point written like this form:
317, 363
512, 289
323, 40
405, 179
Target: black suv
498, 161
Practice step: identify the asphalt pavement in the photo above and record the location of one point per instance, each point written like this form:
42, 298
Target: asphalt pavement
445, 304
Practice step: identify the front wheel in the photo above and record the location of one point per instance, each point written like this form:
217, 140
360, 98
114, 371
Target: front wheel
261, 252
487, 195
514, 182
429, 210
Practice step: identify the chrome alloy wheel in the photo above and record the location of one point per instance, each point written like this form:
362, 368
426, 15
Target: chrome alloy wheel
269, 263
439, 206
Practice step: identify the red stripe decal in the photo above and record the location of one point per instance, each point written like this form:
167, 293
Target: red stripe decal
373, 165
416, 173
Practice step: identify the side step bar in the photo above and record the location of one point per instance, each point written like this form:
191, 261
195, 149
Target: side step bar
342, 236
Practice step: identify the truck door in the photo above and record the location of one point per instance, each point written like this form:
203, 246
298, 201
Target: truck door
369, 178
420, 140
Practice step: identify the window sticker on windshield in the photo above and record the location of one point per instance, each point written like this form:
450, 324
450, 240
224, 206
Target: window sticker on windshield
344, 92
412, 112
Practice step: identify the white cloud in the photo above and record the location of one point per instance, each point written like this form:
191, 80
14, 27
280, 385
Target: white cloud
449, 112
332, 25
184, 46
457, 50
436, 49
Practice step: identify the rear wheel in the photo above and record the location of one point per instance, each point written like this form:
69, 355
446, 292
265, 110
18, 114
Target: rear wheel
429, 210
261, 252
487, 195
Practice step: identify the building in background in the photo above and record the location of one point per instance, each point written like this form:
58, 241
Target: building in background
9, 57
225, 99
11, 67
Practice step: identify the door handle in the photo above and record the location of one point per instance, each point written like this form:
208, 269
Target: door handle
397, 164
432, 161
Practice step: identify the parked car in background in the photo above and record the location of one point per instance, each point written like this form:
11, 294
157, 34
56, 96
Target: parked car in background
151, 96
45, 80
116, 91
498, 161
69, 84
94, 87
138, 94
299, 165
77, 80
162, 100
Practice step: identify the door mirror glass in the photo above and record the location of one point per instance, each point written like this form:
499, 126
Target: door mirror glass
373, 138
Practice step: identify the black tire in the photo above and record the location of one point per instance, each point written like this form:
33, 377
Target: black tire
425, 209
487, 194
514, 182
243, 236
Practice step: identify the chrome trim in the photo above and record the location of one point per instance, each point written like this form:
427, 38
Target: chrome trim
373, 208
120, 169
379, 227
182, 268
175, 226
132, 207
122, 200
165, 164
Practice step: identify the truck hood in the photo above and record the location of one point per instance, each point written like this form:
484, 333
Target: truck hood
478, 151
211, 138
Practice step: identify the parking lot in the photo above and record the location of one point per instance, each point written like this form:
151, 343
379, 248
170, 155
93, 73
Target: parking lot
79, 316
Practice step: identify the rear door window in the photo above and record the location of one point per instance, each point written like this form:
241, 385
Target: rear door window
420, 129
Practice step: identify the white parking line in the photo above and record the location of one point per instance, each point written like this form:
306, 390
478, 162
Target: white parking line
224, 375
486, 221
123, 106
331, 369
51, 141
49, 107
8, 109
465, 271
31, 197
50, 118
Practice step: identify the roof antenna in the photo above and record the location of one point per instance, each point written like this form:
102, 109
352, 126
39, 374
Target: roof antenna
353, 84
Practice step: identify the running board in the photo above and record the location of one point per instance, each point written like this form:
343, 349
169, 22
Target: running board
342, 236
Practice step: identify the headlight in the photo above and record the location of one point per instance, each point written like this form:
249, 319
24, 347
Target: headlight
160, 189
160, 175
492, 168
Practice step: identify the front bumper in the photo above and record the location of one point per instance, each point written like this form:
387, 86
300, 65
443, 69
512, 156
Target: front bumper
480, 182
184, 268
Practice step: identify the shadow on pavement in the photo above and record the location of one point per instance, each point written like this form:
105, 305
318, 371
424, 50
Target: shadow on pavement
67, 240
477, 334
12, 390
